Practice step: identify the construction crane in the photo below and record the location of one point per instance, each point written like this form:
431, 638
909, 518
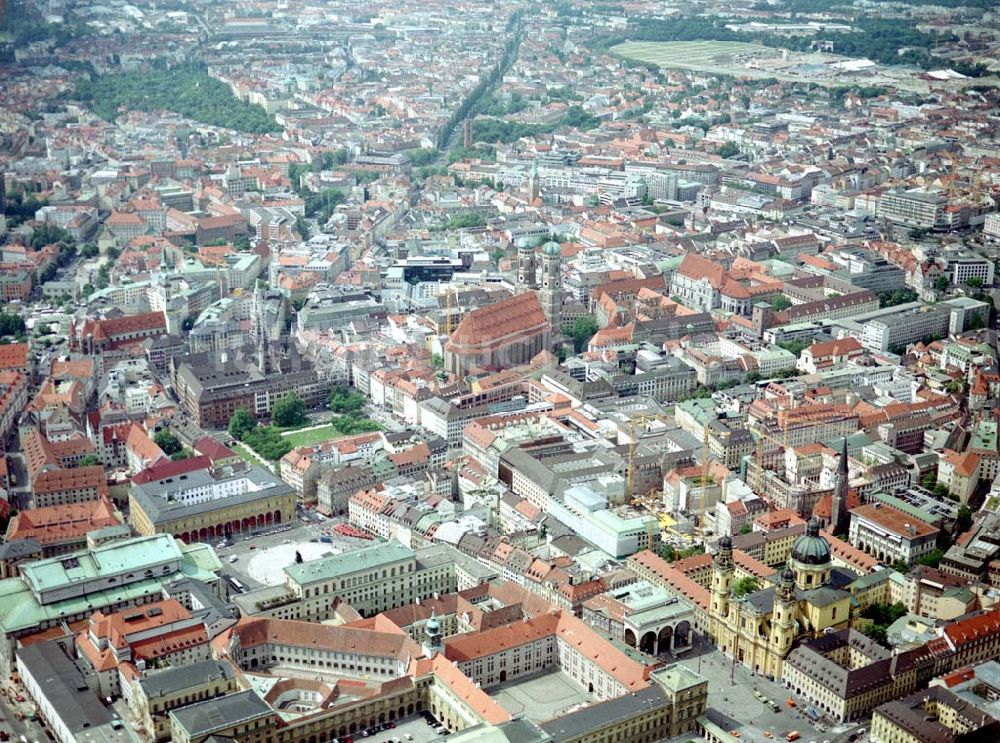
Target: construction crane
978, 199
630, 495
704, 476
447, 313
759, 458
952, 172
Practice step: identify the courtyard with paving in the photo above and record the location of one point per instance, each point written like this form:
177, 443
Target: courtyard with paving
541, 696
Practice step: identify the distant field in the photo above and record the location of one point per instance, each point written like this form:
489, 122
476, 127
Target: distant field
690, 54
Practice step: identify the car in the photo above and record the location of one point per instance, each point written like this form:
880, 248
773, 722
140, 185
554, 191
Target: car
253, 546
391, 724
233, 558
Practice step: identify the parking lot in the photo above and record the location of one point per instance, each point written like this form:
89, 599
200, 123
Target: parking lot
734, 704
413, 729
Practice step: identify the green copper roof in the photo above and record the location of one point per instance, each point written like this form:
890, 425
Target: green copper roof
334, 566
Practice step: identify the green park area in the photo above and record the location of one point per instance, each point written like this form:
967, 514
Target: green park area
310, 436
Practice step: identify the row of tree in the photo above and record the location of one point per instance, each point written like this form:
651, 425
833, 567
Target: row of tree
471, 104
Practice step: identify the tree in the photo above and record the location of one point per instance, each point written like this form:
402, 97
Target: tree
941, 283
465, 221
727, 150
345, 401
241, 423
964, 519
975, 282
899, 296
267, 442
436, 361
901, 566
884, 613
424, 156
179, 455
794, 347
931, 559
780, 303
302, 227
746, 585
186, 89
88, 460
746, 529
289, 411
11, 324
877, 632
168, 443
575, 116
583, 330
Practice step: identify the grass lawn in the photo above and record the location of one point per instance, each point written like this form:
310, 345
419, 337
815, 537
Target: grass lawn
312, 436
686, 54
244, 453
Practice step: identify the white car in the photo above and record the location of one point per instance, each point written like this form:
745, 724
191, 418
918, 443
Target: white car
233, 558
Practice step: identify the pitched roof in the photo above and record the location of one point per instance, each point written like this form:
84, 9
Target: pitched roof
60, 523
519, 314
695, 266
54, 481
895, 521
14, 356
564, 626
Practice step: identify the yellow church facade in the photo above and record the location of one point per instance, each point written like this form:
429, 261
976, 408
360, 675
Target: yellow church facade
759, 628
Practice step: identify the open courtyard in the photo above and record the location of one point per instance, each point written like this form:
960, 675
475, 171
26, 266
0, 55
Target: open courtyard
541, 696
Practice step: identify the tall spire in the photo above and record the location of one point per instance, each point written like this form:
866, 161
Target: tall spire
838, 508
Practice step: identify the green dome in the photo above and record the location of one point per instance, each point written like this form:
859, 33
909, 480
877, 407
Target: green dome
811, 548
552, 249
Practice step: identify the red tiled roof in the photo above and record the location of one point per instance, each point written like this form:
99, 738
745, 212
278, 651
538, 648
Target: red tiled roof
167, 468
971, 629
14, 356
695, 266
212, 449
520, 314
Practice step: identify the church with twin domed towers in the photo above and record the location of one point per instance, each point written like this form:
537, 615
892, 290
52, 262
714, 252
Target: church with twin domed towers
808, 597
